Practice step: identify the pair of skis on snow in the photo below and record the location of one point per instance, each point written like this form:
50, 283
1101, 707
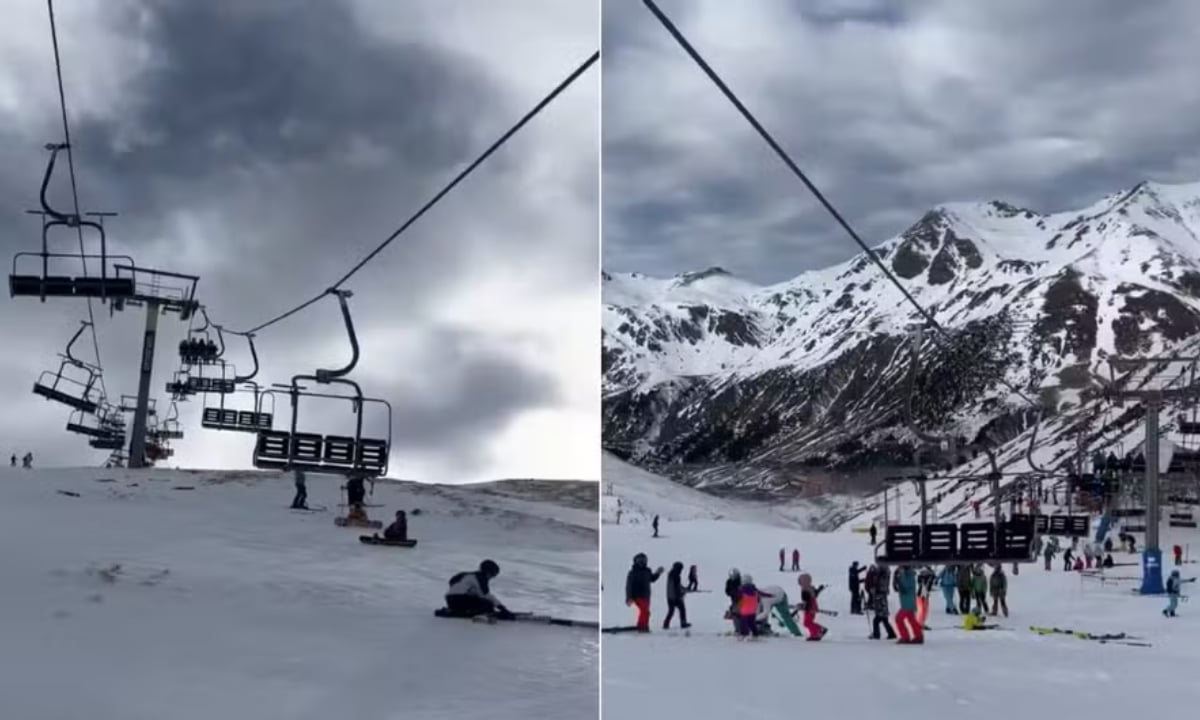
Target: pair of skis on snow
526, 617
1103, 639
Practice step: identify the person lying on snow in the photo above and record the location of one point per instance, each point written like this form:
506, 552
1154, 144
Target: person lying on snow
470, 594
976, 620
398, 530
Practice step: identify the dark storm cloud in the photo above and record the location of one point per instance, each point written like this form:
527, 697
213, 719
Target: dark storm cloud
267, 146
891, 108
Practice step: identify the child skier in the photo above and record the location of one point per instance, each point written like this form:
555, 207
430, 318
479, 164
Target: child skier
906, 620
637, 589
1174, 592
948, 582
808, 601
776, 599
746, 608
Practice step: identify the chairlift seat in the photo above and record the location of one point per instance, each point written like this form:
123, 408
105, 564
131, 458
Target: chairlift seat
318, 453
78, 403
104, 287
108, 442
372, 455
977, 542
1015, 541
1187, 427
1041, 523
1133, 528
36, 285
81, 429
247, 420
339, 450
939, 543
901, 543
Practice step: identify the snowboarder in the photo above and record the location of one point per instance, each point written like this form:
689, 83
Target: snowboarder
469, 594
906, 619
637, 589
1177, 551
998, 585
675, 593
300, 502
654, 524
808, 602
1174, 592
795, 560
873, 533
782, 555
855, 589
877, 582
732, 583
746, 608
398, 530
774, 598
948, 581
693, 579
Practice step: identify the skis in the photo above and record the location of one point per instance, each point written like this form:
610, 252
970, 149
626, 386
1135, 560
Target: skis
376, 540
1114, 638
796, 609
527, 617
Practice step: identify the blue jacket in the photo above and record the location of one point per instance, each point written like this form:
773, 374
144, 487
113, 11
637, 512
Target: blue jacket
949, 578
908, 590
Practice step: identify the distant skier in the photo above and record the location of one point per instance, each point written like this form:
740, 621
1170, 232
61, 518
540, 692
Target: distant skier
906, 619
782, 556
398, 530
13, 460
1174, 592
300, 502
808, 602
675, 593
693, 579
637, 589
1177, 551
27, 461
998, 585
795, 560
855, 588
654, 524
470, 594
975, 507
1068, 560
873, 533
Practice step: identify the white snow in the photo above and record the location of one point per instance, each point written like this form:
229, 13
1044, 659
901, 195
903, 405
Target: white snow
228, 605
990, 675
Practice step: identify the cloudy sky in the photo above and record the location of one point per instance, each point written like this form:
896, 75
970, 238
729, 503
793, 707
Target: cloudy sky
266, 146
891, 108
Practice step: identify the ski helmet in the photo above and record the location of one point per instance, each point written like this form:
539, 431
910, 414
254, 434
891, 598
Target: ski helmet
640, 559
748, 579
489, 568
733, 572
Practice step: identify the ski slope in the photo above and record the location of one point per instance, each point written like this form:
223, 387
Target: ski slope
991, 675
228, 605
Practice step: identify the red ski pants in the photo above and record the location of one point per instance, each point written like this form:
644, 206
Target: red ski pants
643, 613
810, 623
908, 627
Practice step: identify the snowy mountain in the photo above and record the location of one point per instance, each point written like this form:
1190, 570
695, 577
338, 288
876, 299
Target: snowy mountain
789, 388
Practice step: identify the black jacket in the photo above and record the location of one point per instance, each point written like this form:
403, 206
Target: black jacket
732, 585
854, 573
397, 530
675, 586
638, 581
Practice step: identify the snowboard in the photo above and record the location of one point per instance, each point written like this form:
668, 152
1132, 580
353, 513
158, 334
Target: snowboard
373, 524
376, 540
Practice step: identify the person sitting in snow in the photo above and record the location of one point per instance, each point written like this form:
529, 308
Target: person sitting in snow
470, 594
1108, 561
637, 589
1174, 592
808, 603
976, 621
398, 530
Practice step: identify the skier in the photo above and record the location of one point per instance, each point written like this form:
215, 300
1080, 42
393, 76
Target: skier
855, 589
1174, 592
654, 524
693, 579
782, 555
975, 507
356, 494
998, 585
774, 598
963, 579
795, 560
13, 460
300, 502
732, 583
973, 621
398, 530
877, 586
637, 589
906, 620
746, 608
27, 461
675, 593
469, 594
949, 581
808, 602
1177, 551
1048, 550
873, 533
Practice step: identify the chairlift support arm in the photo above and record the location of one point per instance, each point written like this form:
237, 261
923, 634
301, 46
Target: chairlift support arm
325, 376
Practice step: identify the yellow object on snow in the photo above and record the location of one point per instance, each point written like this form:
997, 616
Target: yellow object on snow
971, 621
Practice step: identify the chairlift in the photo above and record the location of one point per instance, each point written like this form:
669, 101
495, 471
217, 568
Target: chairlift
254, 420
313, 452
179, 388
169, 427
129, 404
49, 384
45, 285
198, 347
198, 384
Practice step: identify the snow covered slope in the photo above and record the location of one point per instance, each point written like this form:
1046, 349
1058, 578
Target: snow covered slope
992, 675
198, 595
763, 389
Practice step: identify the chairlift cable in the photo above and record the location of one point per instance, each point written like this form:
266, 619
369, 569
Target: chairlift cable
943, 334
62, 100
575, 75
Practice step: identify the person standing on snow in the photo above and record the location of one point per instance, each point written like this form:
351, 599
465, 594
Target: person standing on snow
732, 583
808, 601
637, 589
300, 502
675, 593
855, 588
782, 555
470, 594
1177, 551
979, 587
906, 619
877, 585
693, 579
998, 585
1174, 592
873, 533
963, 578
948, 581
746, 609
654, 525
775, 599
795, 560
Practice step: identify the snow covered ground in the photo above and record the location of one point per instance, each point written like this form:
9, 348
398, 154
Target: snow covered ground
226, 604
982, 675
